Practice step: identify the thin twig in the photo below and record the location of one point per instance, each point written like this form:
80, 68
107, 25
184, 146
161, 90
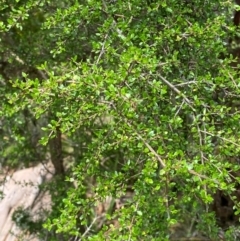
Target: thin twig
103, 49
185, 83
90, 226
177, 91
19, 60
202, 176
150, 148
224, 139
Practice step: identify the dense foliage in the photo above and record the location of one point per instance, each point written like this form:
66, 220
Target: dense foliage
130, 97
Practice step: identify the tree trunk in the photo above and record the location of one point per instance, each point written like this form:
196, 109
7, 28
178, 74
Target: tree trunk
55, 145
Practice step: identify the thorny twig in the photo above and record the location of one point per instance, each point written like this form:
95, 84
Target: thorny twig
90, 226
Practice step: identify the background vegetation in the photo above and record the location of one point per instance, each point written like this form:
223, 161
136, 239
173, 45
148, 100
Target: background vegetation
135, 101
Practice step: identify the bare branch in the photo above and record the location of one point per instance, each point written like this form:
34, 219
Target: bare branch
176, 90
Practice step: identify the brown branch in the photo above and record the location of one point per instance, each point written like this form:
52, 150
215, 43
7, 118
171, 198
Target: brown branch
55, 146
